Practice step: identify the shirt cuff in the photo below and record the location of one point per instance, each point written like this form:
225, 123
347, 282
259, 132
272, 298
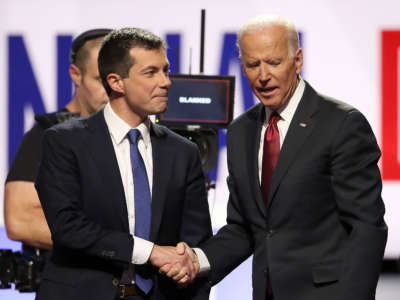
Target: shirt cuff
141, 250
203, 262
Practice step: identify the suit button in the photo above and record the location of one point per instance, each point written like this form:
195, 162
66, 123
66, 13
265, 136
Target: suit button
270, 232
115, 282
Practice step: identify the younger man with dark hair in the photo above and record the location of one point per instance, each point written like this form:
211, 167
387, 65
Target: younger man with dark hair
116, 188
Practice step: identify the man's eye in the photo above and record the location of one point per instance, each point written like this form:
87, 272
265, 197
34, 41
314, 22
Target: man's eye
275, 63
252, 66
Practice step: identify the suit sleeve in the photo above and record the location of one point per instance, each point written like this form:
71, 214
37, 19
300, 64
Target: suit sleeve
196, 223
357, 187
59, 189
234, 239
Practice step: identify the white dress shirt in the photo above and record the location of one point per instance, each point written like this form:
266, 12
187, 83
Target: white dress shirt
119, 129
286, 113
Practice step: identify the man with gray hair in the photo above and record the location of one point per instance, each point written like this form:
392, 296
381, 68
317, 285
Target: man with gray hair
305, 188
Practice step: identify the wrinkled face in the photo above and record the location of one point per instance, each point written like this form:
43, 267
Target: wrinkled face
91, 93
271, 72
146, 87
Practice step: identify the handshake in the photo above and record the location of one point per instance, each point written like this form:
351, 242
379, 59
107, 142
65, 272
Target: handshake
179, 263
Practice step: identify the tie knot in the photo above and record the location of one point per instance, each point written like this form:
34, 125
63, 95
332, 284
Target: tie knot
274, 118
133, 135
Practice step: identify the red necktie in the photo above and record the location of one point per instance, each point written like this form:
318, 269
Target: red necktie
270, 154
269, 160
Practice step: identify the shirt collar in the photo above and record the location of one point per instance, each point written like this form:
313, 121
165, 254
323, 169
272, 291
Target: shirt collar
119, 128
287, 112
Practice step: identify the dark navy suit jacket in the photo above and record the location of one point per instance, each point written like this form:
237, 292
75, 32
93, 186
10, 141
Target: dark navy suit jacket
81, 191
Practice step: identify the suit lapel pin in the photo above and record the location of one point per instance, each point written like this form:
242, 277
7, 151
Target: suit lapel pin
303, 124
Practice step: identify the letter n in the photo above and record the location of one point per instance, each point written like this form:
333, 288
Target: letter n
64, 83
23, 91
173, 52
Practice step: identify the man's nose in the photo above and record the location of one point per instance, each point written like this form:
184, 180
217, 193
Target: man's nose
165, 81
265, 74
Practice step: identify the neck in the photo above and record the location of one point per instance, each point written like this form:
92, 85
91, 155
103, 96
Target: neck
292, 90
122, 110
73, 105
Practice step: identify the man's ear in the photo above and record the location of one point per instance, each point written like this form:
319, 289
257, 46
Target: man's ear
298, 59
115, 82
76, 74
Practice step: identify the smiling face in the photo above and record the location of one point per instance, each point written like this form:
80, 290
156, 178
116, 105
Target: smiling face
272, 74
146, 87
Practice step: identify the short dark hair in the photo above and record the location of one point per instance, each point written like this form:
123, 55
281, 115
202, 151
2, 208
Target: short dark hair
114, 55
79, 53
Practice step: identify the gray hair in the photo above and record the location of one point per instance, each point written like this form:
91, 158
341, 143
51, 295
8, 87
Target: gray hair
267, 21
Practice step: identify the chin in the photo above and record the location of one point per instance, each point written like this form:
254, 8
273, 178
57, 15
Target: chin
158, 111
271, 103
162, 108
268, 103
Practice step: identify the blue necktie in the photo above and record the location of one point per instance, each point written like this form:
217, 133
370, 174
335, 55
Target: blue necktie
142, 202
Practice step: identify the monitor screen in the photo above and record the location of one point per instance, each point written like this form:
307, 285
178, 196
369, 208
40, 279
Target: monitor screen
199, 100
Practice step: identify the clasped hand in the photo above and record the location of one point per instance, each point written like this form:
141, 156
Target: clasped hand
179, 263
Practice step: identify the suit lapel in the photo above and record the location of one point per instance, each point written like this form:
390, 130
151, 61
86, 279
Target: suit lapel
255, 124
300, 128
100, 145
161, 165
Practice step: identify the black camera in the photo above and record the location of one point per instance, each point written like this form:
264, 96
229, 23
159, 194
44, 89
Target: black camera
24, 272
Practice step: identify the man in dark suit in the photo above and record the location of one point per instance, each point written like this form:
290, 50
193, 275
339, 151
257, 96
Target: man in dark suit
305, 188
116, 188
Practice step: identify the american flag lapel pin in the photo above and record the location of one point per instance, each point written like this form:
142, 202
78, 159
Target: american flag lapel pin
303, 124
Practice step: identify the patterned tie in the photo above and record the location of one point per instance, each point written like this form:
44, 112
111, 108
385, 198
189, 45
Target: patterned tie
270, 154
142, 202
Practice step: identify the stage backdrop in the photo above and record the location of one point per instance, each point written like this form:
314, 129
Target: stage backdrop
351, 52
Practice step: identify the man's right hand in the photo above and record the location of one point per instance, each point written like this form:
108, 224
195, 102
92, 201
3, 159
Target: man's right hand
176, 273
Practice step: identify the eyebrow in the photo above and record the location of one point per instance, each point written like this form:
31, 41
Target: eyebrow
153, 67
251, 62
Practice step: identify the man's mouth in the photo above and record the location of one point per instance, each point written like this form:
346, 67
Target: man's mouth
164, 97
266, 90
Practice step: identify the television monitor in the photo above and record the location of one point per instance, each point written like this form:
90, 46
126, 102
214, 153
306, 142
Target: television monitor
206, 101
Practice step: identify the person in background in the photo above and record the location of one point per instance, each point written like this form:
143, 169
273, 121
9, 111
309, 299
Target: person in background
23, 213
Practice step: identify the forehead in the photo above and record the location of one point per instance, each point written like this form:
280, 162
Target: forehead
266, 41
148, 57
